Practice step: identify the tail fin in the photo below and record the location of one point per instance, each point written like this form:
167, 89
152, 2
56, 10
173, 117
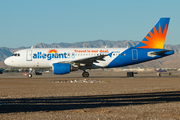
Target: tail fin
156, 37
155, 70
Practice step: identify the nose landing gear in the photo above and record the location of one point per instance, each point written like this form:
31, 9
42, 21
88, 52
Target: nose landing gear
30, 73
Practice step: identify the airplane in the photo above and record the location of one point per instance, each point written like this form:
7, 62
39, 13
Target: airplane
159, 70
65, 60
164, 71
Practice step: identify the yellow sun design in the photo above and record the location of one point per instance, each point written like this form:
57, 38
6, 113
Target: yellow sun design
155, 40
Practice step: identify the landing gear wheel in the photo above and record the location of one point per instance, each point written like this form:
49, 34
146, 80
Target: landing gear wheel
29, 75
85, 74
170, 74
159, 74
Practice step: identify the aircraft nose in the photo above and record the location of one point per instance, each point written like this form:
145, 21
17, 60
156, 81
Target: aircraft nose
7, 61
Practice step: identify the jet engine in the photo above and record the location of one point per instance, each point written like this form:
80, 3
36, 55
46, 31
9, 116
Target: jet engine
1, 71
63, 68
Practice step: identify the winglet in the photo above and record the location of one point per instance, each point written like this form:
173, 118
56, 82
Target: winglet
110, 54
156, 37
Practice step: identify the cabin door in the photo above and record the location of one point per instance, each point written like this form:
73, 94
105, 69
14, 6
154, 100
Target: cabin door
134, 54
29, 55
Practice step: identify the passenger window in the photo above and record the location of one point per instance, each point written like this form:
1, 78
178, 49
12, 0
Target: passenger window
18, 54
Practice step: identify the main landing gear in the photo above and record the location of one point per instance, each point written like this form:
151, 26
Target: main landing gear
85, 74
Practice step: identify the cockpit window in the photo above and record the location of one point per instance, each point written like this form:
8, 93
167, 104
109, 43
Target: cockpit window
16, 54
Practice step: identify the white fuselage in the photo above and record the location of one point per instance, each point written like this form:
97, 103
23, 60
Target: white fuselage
45, 57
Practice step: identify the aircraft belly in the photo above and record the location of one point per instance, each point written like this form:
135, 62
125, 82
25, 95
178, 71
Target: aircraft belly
36, 64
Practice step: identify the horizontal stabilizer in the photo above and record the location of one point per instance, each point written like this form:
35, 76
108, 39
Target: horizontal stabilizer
161, 52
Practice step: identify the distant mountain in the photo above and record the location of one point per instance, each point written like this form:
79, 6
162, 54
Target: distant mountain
89, 44
6, 52
170, 61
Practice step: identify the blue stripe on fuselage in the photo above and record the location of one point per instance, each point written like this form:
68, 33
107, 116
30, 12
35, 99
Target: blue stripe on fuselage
126, 58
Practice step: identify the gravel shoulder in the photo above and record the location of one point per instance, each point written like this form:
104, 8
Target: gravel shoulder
104, 95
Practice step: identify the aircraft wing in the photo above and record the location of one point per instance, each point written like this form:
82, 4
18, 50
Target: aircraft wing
89, 60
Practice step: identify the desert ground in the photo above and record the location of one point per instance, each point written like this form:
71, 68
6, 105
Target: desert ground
104, 95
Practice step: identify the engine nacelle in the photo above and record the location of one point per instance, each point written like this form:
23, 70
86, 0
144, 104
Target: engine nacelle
63, 68
1, 71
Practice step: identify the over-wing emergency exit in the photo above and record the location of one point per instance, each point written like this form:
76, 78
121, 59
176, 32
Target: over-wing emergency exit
66, 60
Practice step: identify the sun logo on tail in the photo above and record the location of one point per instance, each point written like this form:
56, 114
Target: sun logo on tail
156, 36
155, 40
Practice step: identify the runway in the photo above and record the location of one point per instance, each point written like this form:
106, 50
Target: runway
146, 96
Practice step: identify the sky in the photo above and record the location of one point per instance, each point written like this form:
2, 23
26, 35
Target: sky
29, 22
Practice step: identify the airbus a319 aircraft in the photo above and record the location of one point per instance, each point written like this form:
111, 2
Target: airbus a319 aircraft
66, 60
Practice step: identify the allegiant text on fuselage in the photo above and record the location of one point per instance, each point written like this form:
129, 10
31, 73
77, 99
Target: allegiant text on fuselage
49, 56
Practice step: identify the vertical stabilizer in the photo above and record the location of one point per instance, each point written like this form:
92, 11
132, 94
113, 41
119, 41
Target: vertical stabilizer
156, 37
